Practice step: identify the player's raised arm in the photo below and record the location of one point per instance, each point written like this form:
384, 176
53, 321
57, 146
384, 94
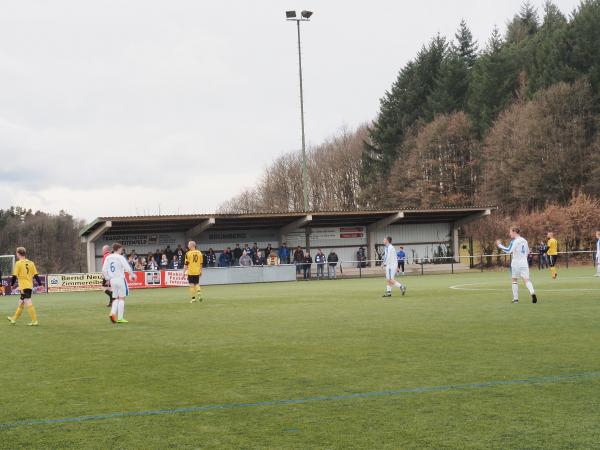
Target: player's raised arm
504, 248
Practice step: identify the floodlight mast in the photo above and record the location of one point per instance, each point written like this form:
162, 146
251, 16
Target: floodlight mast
304, 17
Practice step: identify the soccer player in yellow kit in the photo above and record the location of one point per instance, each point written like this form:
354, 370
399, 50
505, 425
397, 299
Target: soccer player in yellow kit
25, 272
193, 270
552, 254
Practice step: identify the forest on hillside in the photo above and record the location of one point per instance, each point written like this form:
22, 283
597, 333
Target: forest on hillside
513, 122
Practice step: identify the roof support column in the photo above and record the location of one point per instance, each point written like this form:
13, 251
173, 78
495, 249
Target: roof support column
371, 229
90, 242
201, 227
301, 222
456, 226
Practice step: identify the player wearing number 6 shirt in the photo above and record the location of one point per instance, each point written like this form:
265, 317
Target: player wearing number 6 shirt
390, 264
114, 268
193, 270
519, 250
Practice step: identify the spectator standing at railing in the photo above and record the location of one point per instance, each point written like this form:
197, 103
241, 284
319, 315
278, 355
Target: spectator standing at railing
268, 251
248, 250
361, 257
180, 257
157, 255
139, 265
131, 261
598, 253
151, 265
254, 250
401, 260
237, 254
164, 262
298, 259
225, 258
273, 259
259, 259
320, 261
169, 253
284, 254
307, 265
543, 251
175, 263
211, 258
245, 259
332, 259
228, 257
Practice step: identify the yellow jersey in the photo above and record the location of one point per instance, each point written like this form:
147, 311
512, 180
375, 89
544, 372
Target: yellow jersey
25, 271
193, 262
552, 247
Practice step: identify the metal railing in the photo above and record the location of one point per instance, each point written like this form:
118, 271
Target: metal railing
438, 264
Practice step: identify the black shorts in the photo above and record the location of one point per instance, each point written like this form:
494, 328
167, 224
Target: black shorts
194, 279
552, 260
105, 282
26, 294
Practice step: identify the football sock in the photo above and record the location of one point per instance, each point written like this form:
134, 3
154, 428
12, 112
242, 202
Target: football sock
515, 289
32, 314
529, 286
113, 307
18, 313
198, 291
397, 284
388, 289
193, 291
553, 270
121, 309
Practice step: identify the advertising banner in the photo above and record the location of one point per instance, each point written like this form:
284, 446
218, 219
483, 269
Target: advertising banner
175, 278
74, 282
7, 290
144, 280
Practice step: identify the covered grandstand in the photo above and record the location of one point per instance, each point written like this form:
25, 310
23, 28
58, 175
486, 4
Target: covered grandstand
422, 232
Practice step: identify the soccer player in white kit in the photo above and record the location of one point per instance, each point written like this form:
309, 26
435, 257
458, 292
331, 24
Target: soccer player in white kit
114, 268
519, 250
598, 253
390, 264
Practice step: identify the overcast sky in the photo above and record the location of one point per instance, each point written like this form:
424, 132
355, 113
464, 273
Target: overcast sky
125, 107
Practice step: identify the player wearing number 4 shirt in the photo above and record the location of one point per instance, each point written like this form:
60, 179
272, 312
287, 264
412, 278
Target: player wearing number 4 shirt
24, 272
518, 249
193, 270
114, 268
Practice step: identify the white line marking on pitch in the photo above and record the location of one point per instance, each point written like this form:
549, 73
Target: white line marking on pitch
461, 287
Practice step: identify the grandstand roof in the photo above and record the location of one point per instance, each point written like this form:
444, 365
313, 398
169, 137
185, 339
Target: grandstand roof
221, 222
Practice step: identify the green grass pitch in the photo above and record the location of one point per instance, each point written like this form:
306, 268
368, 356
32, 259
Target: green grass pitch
440, 368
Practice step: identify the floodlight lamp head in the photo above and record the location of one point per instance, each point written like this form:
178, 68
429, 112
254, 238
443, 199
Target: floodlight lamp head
290, 14
306, 14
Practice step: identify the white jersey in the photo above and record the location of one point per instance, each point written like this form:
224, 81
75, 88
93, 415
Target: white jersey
390, 259
115, 266
598, 250
519, 249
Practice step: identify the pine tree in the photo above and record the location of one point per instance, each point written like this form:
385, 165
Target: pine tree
450, 91
495, 78
466, 46
401, 107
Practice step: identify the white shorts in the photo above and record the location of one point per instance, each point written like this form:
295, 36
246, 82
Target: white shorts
520, 271
119, 287
390, 272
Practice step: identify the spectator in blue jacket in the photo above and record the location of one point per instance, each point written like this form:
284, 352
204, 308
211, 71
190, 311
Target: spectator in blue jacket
284, 254
401, 259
